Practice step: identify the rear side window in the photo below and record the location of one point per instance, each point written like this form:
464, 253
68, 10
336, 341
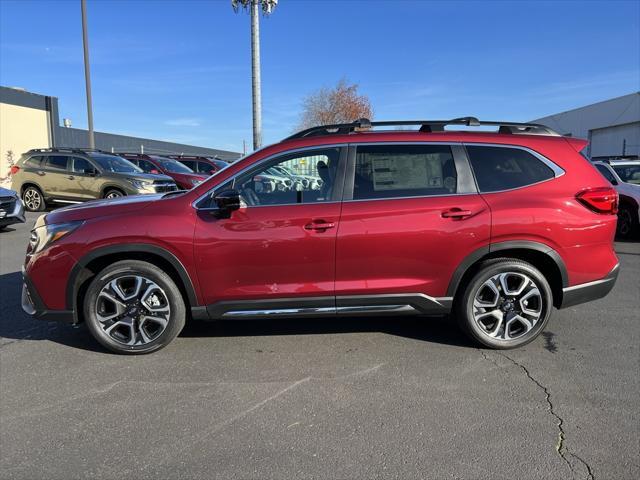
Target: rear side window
503, 168
393, 171
58, 162
33, 161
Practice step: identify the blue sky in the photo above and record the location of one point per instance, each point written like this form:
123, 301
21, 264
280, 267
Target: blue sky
179, 70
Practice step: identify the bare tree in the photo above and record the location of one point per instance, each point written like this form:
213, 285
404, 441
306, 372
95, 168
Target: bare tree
341, 104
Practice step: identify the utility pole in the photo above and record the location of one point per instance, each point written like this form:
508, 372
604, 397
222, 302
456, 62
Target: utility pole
87, 73
254, 7
255, 75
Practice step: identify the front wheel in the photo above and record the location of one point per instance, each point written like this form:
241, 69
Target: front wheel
33, 199
506, 304
134, 307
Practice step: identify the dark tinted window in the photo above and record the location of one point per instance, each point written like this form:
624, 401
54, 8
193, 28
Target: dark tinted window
204, 167
82, 165
501, 168
147, 166
391, 171
605, 173
58, 162
33, 161
189, 163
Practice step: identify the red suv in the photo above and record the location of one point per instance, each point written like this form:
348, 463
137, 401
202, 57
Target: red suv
184, 177
496, 227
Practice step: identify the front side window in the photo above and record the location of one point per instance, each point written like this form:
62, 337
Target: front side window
57, 162
505, 168
628, 173
270, 186
82, 165
395, 171
204, 167
147, 166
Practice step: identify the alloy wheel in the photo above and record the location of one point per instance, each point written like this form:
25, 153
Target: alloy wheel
132, 310
507, 306
113, 194
32, 199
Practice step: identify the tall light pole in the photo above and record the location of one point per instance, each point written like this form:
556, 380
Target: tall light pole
254, 9
87, 73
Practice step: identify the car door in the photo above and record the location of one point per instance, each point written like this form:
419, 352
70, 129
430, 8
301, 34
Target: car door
84, 184
57, 182
410, 216
276, 254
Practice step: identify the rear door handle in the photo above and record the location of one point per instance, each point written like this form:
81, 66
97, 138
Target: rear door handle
457, 213
319, 226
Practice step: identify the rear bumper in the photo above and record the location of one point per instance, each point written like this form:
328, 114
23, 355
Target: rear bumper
33, 305
587, 292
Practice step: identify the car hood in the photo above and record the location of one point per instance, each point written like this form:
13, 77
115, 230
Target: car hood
5, 192
101, 208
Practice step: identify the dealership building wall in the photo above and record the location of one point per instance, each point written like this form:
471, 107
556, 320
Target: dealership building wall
29, 120
612, 126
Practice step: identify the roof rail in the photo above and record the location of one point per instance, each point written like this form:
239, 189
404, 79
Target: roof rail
66, 149
426, 126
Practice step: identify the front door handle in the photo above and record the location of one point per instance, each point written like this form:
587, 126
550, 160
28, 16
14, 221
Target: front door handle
319, 226
40, 172
457, 213
71, 177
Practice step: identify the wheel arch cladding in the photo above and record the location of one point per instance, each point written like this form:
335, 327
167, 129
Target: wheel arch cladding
541, 256
92, 263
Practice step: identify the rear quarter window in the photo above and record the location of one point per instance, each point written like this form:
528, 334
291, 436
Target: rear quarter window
504, 168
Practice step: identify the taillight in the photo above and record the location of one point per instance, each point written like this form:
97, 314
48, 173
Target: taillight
600, 199
14, 169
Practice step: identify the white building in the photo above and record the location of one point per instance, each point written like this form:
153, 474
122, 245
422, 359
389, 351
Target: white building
612, 127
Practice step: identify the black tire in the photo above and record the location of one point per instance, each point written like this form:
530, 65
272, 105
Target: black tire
118, 339
33, 199
628, 223
465, 309
113, 193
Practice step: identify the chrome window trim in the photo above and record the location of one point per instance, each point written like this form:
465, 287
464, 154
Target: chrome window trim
264, 160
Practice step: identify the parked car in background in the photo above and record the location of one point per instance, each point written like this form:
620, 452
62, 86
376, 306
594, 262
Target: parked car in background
202, 165
64, 175
624, 175
498, 227
184, 177
11, 208
307, 181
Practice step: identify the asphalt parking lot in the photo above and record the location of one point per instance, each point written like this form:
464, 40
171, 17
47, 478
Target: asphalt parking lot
324, 398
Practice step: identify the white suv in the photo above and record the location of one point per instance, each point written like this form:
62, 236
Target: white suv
625, 176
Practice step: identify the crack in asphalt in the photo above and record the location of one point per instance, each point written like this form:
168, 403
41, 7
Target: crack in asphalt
561, 446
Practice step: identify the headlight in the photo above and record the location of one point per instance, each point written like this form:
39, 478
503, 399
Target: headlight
43, 236
195, 182
139, 184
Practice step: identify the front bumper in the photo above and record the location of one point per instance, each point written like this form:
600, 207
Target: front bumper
33, 305
11, 211
587, 292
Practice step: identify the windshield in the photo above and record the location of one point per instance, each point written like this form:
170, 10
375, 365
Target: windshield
171, 165
628, 173
113, 163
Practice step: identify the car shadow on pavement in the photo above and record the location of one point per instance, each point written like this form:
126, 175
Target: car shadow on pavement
16, 325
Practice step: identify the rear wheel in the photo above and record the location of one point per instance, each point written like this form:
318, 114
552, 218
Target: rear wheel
627, 221
33, 199
113, 193
134, 307
506, 304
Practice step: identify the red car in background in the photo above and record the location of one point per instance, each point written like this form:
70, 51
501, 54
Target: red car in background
202, 165
184, 177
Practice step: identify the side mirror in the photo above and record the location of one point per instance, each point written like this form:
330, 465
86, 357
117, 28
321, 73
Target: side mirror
225, 202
